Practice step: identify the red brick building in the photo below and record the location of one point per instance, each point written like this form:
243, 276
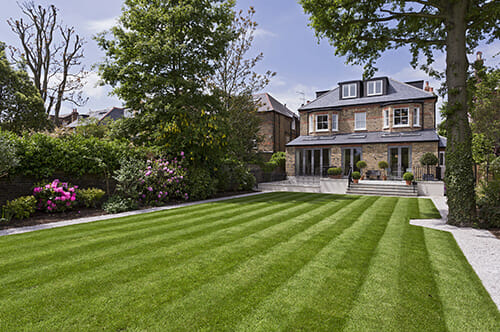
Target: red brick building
279, 125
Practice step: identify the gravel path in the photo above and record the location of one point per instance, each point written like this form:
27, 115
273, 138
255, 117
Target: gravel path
480, 247
27, 229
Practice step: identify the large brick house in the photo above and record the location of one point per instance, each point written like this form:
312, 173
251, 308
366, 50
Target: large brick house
371, 120
278, 126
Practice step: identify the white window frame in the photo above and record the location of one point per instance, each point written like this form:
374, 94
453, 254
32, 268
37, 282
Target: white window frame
416, 116
311, 124
349, 95
323, 122
394, 117
386, 118
374, 85
335, 122
293, 124
356, 120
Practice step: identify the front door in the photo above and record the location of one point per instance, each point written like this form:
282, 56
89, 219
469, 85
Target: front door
399, 161
350, 156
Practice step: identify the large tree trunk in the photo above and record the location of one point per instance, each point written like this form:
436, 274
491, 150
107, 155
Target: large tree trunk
459, 177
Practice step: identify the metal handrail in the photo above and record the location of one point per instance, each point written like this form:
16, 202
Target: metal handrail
349, 177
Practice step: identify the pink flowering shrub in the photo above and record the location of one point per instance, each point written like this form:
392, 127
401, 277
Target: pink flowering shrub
163, 180
55, 196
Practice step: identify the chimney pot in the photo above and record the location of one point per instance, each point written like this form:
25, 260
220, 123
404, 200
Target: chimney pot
432, 89
427, 87
479, 55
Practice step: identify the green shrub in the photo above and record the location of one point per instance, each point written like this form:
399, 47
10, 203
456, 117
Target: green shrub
90, 197
278, 159
361, 164
356, 175
429, 159
20, 208
488, 203
8, 156
128, 178
334, 171
200, 184
233, 175
117, 204
408, 176
383, 164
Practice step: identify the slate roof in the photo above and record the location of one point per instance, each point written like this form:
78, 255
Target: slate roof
111, 113
368, 138
267, 103
396, 92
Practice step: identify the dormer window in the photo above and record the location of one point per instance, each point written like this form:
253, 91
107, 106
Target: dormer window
349, 90
374, 88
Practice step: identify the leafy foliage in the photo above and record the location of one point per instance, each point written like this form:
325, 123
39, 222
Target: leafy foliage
429, 159
233, 175
21, 107
361, 164
117, 204
408, 176
20, 208
334, 171
383, 164
356, 175
90, 197
200, 184
8, 155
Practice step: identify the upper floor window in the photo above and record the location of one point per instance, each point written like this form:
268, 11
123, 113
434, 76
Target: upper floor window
374, 88
322, 122
293, 124
386, 118
311, 123
401, 117
416, 117
349, 90
360, 121
335, 122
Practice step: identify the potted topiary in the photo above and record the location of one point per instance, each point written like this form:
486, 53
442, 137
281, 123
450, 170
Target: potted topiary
383, 165
428, 159
361, 164
408, 177
334, 172
355, 176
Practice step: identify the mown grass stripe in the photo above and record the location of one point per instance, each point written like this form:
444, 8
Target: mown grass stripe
467, 305
419, 302
79, 257
134, 276
231, 296
35, 240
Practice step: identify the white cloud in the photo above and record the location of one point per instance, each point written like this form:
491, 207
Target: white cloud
262, 33
96, 26
92, 89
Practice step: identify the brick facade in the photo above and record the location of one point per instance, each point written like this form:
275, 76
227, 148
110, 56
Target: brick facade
276, 131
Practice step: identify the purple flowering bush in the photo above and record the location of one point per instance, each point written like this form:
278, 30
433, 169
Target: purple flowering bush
163, 180
55, 196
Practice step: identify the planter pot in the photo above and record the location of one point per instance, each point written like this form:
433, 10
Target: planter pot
362, 177
408, 182
335, 176
384, 178
355, 180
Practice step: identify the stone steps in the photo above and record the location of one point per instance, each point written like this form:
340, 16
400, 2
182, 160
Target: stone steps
382, 190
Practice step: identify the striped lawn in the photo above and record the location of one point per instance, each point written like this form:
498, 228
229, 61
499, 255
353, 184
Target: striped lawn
278, 261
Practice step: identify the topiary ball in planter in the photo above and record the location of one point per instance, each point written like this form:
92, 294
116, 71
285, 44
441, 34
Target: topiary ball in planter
356, 175
334, 172
361, 164
408, 177
383, 164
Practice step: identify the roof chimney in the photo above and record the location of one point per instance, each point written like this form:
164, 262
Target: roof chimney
479, 56
427, 87
431, 89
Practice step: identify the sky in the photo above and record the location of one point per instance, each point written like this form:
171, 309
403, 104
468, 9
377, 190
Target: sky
302, 63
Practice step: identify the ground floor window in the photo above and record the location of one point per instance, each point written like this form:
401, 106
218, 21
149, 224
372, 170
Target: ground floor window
350, 156
399, 161
312, 162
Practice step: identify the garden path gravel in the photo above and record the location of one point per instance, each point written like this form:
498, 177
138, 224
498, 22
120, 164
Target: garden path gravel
480, 247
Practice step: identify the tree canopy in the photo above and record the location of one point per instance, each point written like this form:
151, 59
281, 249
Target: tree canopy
363, 30
21, 107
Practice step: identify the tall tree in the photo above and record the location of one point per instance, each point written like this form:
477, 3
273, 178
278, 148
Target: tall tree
235, 81
21, 107
362, 30
52, 52
157, 60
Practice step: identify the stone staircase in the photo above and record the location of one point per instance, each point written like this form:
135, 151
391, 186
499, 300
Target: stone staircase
379, 189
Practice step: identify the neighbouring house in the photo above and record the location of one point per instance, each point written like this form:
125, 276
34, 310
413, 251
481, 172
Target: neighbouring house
66, 119
371, 120
101, 116
279, 125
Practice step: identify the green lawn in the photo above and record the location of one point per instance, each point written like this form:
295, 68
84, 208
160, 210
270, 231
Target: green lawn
278, 261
